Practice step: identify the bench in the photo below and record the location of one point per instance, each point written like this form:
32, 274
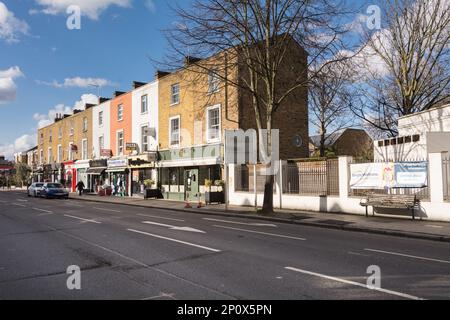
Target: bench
398, 201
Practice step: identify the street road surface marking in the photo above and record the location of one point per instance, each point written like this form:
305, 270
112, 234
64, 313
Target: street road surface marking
407, 255
86, 220
42, 210
18, 204
174, 240
22, 200
103, 209
1, 201
165, 218
243, 223
433, 226
173, 227
268, 234
395, 293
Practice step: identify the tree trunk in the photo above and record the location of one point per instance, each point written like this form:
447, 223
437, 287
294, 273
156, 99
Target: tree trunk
268, 185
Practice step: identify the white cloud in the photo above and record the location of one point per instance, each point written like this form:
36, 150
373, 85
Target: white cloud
23, 143
150, 5
47, 119
78, 82
10, 26
8, 88
90, 8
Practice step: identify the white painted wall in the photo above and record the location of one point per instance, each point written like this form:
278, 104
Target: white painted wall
422, 123
103, 130
150, 118
436, 210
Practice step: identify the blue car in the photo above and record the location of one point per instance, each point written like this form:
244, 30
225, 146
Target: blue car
54, 190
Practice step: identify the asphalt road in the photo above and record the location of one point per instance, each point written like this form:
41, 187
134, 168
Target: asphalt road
139, 253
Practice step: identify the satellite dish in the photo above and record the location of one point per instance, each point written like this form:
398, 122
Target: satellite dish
297, 141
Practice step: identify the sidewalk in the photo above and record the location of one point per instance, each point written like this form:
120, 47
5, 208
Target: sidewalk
402, 227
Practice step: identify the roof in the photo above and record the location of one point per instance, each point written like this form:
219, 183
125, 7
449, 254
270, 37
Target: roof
330, 139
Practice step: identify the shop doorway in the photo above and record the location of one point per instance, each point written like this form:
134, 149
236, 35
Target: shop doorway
191, 184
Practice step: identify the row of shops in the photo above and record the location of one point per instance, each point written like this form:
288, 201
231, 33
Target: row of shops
178, 174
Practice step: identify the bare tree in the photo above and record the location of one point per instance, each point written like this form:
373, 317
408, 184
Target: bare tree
329, 98
412, 59
256, 36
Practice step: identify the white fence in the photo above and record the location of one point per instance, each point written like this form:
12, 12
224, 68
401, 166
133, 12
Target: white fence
436, 207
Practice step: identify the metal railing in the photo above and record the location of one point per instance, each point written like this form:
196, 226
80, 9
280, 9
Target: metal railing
317, 178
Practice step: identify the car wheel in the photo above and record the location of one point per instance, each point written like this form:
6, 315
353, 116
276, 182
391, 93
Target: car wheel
28, 194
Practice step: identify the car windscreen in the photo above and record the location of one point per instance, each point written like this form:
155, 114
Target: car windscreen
54, 186
38, 185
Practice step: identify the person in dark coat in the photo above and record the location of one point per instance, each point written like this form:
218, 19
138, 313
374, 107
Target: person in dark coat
80, 187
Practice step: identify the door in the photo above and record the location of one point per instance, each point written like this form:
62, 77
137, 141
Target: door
191, 183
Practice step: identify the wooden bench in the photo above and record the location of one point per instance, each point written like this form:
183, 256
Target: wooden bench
410, 202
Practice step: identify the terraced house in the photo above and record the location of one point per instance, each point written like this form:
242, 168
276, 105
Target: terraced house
196, 106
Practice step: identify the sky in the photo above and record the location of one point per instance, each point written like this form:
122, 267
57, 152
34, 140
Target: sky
46, 68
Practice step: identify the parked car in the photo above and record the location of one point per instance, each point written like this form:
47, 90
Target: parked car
54, 190
35, 189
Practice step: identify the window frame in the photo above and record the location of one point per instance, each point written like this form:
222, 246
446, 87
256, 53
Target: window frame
208, 127
49, 154
85, 124
101, 145
142, 138
120, 112
172, 145
83, 155
146, 103
213, 82
100, 117
172, 101
59, 155
120, 153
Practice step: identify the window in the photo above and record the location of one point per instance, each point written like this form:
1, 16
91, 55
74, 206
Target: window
59, 132
100, 118
101, 144
85, 124
71, 128
120, 142
408, 139
144, 138
175, 94
41, 156
120, 112
84, 149
50, 135
213, 81
49, 155
416, 138
70, 151
213, 121
174, 130
400, 140
144, 104
41, 138
60, 153
380, 143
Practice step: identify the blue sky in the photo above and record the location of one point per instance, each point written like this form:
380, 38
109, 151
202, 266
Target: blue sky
45, 66
38, 52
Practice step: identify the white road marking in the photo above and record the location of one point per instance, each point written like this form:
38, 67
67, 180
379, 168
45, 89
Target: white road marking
103, 209
22, 200
174, 240
42, 210
18, 204
243, 223
433, 226
165, 218
86, 220
266, 233
407, 255
391, 292
2, 201
173, 227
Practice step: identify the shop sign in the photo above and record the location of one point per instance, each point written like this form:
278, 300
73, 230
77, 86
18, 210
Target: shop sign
98, 163
113, 163
131, 146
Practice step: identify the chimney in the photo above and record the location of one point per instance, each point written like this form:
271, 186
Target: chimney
160, 74
102, 99
76, 111
66, 116
88, 106
190, 60
137, 84
118, 93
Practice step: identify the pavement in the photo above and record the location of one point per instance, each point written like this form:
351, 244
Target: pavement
379, 224
148, 253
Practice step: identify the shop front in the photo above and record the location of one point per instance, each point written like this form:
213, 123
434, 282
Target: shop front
70, 175
37, 174
119, 176
97, 176
143, 170
81, 167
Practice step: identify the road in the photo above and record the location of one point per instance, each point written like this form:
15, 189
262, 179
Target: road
140, 253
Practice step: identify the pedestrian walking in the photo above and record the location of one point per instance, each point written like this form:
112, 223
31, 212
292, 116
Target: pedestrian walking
80, 187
